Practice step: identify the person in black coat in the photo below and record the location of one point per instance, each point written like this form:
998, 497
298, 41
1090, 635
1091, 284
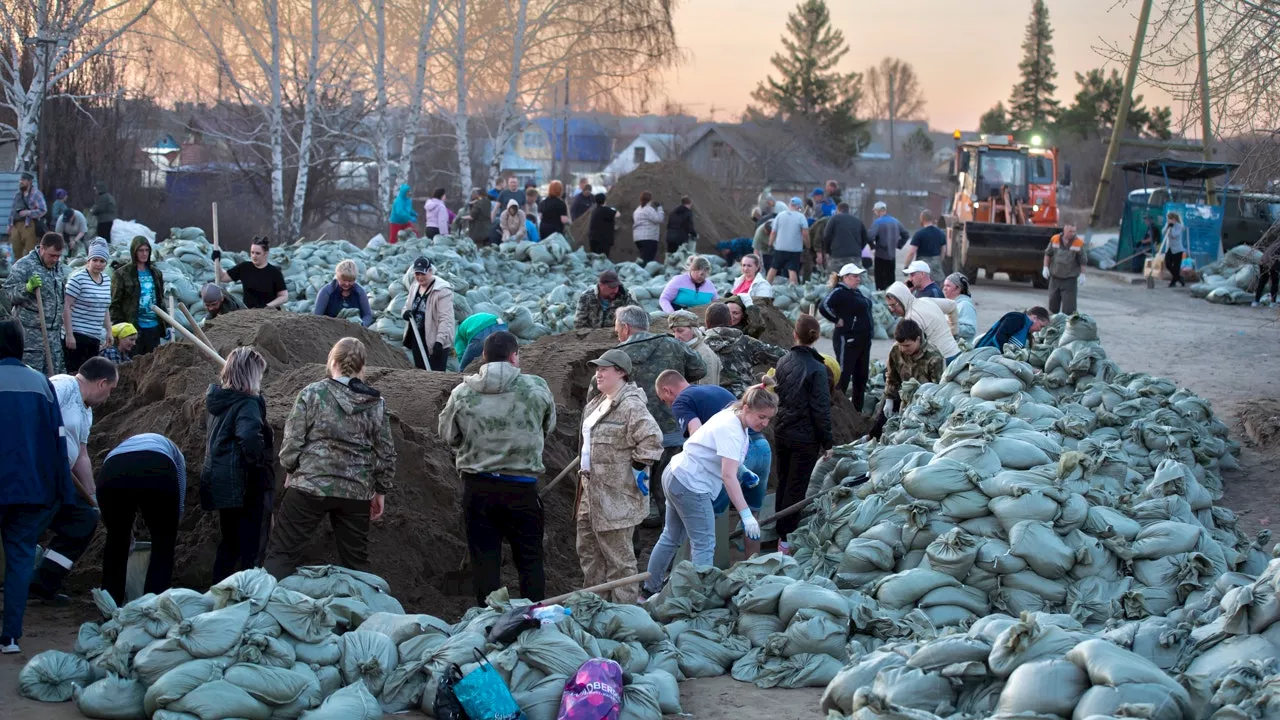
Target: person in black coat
680, 225
802, 427
850, 310
238, 479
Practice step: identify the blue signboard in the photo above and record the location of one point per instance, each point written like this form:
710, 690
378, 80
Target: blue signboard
1204, 230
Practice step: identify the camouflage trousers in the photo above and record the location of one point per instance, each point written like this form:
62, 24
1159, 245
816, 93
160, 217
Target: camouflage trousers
33, 342
606, 556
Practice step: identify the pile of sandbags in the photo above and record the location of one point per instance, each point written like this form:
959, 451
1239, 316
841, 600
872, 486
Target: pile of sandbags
1231, 280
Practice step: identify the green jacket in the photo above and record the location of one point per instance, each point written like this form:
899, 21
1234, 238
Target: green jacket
497, 420
125, 288
739, 355
337, 442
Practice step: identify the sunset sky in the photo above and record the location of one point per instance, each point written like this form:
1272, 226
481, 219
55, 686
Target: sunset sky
966, 54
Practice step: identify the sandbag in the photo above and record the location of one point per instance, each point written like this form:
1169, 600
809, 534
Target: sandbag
905, 588
326, 652
1025, 641
863, 555
1047, 687
949, 650
757, 628
181, 680
213, 633
706, 653
304, 618
1109, 664
50, 676
762, 596
668, 691
953, 553
1164, 538
367, 656
271, 685
640, 702
403, 627
965, 505
550, 651
993, 388
940, 478
541, 701
813, 631
220, 700
112, 698
808, 595
253, 586
622, 623
1016, 454
353, 702
1106, 701
839, 693
914, 688
265, 650
970, 598
1034, 505
1039, 545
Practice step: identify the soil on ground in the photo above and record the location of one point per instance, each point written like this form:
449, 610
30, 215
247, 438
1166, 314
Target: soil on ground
714, 217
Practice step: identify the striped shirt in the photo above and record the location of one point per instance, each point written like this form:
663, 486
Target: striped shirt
91, 300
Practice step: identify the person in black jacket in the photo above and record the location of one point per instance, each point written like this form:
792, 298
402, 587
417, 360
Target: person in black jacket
238, 479
843, 239
680, 225
850, 310
601, 227
803, 423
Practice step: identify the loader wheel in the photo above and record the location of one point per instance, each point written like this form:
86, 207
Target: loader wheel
1039, 282
971, 272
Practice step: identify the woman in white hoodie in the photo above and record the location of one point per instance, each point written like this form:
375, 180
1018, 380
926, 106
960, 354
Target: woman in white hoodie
647, 227
928, 314
752, 283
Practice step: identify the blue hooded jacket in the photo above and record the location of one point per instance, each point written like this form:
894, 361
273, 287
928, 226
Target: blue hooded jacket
402, 211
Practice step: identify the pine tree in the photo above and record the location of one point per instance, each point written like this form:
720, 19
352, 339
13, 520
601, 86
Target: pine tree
1097, 103
994, 121
812, 92
1031, 104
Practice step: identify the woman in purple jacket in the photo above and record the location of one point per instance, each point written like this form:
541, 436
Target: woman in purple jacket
689, 289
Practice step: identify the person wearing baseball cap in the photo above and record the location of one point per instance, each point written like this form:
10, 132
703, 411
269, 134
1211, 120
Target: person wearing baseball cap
597, 306
823, 206
620, 443
850, 309
888, 236
429, 307
218, 301
920, 278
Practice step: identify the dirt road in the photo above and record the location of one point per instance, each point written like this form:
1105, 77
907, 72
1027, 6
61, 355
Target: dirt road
1228, 355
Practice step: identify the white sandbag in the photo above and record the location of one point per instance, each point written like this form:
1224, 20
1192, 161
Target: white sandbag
1039, 545
1105, 702
253, 586
353, 702
1017, 454
914, 688
1047, 687
50, 676
1109, 664
181, 680
220, 700
213, 633
904, 589
271, 685
953, 553
940, 478
1164, 538
403, 627
757, 628
1025, 641
965, 505
326, 652
995, 556
668, 691
864, 555
949, 650
111, 698
977, 454
807, 595
159, 658
814, 632
859, 675
541, 701
970, 598
992, 388
306, 619
367, 656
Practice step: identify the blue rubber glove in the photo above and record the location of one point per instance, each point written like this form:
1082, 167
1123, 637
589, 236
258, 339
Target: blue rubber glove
747, 479
642, 481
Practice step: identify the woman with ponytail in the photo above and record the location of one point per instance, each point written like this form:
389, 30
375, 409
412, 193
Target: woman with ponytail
712, 459
340, 460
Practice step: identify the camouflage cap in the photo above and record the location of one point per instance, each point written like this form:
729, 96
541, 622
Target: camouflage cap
614, 358
682, 318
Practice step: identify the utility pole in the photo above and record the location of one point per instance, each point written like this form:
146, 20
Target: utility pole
565, 171
1206, 127
1122, 117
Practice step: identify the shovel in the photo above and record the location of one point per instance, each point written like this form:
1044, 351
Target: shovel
44, 334
802, 505
460, 581
422, 350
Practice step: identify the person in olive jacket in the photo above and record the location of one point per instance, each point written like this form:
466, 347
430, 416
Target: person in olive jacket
802, 427
135, 287
238, 479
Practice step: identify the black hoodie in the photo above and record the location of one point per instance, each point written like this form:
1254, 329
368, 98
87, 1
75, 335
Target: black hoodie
239, 452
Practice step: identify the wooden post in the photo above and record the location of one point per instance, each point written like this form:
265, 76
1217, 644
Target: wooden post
215, 228
209, 353
629, 580
44, 335
1206, 127
1122, 117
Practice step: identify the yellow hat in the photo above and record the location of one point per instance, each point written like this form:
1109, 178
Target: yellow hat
121, 331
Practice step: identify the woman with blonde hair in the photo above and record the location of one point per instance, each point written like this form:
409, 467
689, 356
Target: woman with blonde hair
339, 461
238, 478
712, 459
647, 227
690, 288
344, 293
1175, 244
553, 211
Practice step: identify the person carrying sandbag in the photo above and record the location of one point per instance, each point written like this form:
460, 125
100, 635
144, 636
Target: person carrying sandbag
711, 459
909, 359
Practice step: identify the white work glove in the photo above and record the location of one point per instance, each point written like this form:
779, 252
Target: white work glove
1080, 281
1044, 273
750, 525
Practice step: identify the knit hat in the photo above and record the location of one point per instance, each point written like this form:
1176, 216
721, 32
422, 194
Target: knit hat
211, 293
98, 249
59, 194
682, 318
120, 331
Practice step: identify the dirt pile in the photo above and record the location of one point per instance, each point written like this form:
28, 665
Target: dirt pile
714, 217
1260, 423
287, 339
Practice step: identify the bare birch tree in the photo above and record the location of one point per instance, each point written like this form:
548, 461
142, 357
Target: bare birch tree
47, 40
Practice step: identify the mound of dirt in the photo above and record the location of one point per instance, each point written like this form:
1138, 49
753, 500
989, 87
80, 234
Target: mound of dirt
714, 216
287, 339
1260, 423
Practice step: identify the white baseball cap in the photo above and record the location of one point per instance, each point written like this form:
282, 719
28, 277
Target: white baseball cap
917, 266
851, 269
880, 206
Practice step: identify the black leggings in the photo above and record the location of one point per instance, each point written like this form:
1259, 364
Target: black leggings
1173, 262
1266, 274
244, 534
145, 483
795, 465
648, 251
86, 347
854, 356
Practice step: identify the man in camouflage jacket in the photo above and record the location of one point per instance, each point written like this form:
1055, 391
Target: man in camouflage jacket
597, 306
41, 268
497, 421
739, 353
340, 461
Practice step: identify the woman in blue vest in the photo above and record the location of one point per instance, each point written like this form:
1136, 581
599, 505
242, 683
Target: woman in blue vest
344, 293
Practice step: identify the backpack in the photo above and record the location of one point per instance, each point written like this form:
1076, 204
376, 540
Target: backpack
593, 693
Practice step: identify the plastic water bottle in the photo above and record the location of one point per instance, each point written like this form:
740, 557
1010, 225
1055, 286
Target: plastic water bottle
549, 615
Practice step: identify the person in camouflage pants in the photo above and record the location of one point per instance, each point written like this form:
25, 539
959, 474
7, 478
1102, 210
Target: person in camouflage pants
42, 270
739, 353
497, 422
340, 459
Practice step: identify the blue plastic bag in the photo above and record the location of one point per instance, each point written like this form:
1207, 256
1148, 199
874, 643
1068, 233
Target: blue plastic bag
484, 695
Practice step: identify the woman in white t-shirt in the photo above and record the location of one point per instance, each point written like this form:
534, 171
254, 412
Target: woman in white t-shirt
711, 459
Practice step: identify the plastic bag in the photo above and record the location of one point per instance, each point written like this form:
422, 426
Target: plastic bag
595, 692
508, 626
483, 694
445, 706
112, 698
50, 676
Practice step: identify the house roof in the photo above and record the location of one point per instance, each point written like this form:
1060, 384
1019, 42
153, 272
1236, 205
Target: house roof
661, 142
789, 160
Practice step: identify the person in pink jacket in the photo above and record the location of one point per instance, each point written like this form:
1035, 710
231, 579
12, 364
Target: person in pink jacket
437, 220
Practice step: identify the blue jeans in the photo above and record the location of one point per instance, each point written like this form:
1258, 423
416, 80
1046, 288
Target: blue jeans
689, 517
476, 347
759, 460
20, 527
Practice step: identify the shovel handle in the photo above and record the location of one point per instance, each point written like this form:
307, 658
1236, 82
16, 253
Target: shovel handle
573, 465
602, 587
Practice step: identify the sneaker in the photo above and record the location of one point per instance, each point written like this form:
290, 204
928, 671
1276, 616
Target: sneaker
57, 600
9, 646
1255, 303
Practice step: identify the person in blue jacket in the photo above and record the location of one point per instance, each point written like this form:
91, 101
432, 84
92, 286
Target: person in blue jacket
403, 216
343, 292
1015, 327
35, 477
